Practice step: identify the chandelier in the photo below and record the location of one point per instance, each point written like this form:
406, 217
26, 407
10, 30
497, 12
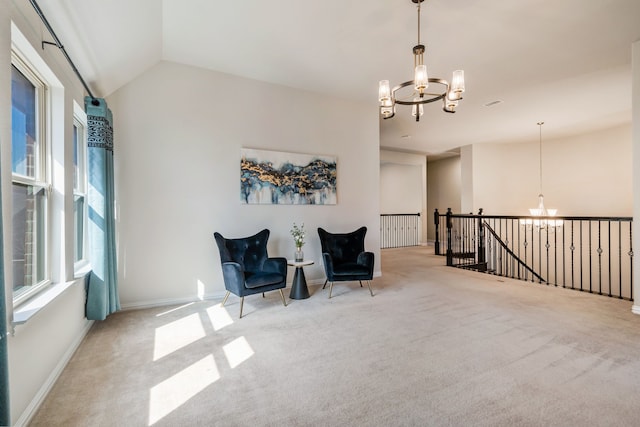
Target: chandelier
541, 211
440, 89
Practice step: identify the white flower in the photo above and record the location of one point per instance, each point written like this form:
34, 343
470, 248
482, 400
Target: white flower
298, 235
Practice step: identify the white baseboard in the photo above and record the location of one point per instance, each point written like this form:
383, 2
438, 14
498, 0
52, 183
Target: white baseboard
635, 309
171, 301
37, 400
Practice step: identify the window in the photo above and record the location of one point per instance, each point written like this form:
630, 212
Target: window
29, 180
79, 187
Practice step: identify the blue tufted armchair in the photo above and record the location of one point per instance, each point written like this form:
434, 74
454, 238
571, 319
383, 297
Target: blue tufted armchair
247, 269
345, 259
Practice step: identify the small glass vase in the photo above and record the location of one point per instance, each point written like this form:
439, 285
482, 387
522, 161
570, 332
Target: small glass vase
299, 255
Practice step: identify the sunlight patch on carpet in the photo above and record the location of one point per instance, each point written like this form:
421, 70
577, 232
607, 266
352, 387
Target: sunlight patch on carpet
176, 335
164, 313
175, 391
238, 351
219, 317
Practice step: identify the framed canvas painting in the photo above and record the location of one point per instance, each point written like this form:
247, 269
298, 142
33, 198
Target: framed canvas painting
280, 178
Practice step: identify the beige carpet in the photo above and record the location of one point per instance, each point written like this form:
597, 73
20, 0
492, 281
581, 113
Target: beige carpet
435, 346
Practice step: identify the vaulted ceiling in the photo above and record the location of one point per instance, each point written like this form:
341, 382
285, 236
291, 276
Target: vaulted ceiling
565, 62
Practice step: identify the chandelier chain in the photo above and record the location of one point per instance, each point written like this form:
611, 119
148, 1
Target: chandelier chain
419, 23
540, 139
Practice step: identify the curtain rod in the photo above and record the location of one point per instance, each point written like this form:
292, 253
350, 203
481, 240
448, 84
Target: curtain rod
59, 45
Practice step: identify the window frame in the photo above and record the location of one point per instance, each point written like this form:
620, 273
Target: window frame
41, 179
80, 188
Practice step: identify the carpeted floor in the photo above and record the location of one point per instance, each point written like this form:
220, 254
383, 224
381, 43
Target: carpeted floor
435, 346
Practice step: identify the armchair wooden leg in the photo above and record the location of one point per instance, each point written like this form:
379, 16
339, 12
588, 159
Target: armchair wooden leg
263, 295
225, 299
330, 289
360, 282
283, 300
325, 283
241, 305
369, 285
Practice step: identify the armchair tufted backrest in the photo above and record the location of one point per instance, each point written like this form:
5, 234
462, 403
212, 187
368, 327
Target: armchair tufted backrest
250, 252
343, 247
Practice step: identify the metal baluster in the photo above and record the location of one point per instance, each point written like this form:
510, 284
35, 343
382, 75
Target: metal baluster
609, 253
564, 262
620, 258
599, 252
590, 261
631, 257
546, 245
555, 257
581, 260
573, 250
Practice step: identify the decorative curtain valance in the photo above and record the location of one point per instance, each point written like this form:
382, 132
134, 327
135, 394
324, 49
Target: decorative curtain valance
100, 132
102, 290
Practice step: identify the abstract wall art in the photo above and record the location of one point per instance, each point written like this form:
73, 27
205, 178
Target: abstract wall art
279, 178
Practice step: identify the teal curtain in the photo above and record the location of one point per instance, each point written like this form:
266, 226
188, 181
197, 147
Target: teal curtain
102, 287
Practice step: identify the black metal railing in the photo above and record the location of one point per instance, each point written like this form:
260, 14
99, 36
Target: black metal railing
399, 230
592, 254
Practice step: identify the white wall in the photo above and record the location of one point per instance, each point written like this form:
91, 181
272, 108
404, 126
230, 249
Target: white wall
178, 135
40, 348
400, 188
403, 185
444, 189
466, 179
583, 175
